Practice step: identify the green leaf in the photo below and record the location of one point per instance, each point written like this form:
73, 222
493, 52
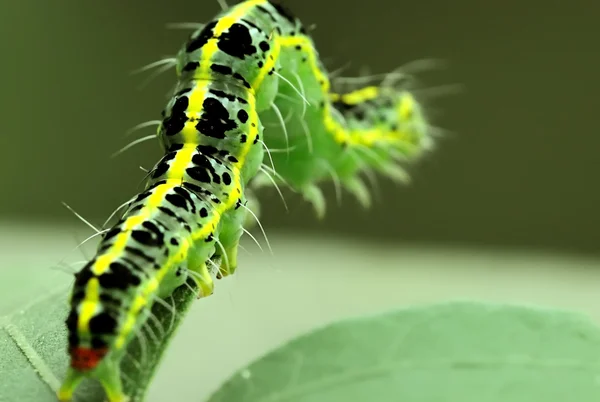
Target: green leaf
463, 352
34, 358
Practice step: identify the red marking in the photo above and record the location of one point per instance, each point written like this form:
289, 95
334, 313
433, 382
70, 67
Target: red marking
84, 359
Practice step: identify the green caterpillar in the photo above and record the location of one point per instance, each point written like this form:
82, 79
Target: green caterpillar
238, 72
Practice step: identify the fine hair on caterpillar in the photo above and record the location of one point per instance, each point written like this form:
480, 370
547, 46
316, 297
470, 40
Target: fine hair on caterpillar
252, 106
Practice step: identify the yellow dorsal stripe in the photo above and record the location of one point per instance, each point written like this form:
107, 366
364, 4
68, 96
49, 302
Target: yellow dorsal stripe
269, 63
89, 305
103, 261
339, 133
406, 107
224, 23
181, 161
196, 98
235, 15
360, 95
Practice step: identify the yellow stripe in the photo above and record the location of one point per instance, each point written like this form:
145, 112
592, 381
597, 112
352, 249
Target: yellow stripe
195, 105
306, 44
103, 262
360, 95
196, 98
269, 64
406, 107
235, 15
181, 161
338, 132
141, 300
224, 23
89, 304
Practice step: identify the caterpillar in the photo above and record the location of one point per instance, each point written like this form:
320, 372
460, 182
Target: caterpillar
253, 65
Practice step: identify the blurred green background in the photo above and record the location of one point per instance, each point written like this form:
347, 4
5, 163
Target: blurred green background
518, 168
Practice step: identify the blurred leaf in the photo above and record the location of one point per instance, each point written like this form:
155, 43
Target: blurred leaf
34, 358
463, 352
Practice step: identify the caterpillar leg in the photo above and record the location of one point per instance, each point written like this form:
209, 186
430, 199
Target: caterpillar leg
204, 280
109, 375
356, 186
245, 215
314, 195
394, 172
70, 383
198, 269
230, 240
229, 262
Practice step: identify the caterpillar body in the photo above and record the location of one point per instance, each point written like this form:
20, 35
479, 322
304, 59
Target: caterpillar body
239, 72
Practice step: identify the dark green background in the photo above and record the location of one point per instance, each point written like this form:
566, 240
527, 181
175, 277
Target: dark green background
518, 169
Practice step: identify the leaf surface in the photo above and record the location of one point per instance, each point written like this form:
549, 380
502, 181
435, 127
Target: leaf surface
462, 351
